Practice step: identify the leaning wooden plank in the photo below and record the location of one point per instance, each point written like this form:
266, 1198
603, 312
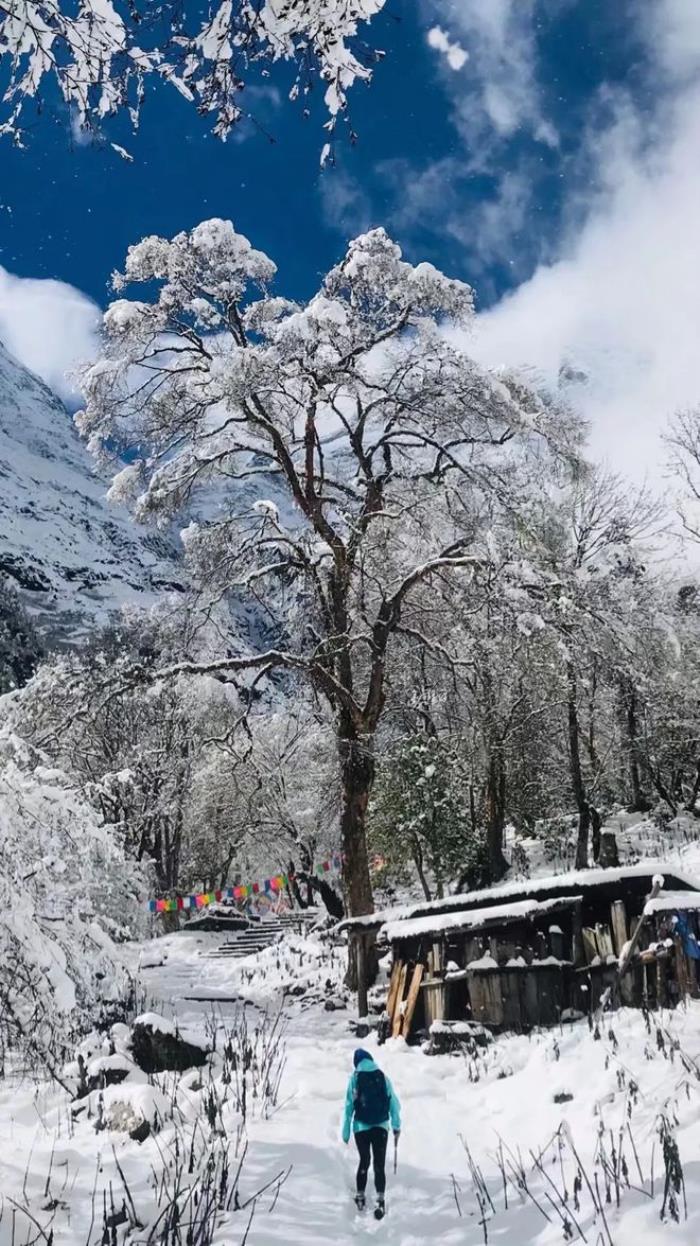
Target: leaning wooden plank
590, 944
604, 941
393, 988
410, 1008
397, 1014
626, 957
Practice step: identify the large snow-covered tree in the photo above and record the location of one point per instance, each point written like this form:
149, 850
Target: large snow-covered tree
102, 55
344, 449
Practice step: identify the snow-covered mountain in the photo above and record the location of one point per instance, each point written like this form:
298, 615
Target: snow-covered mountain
74, 558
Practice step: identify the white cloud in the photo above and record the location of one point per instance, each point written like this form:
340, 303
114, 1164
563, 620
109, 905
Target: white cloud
622, 302
50, 326
500, 95
454, 53
345, 204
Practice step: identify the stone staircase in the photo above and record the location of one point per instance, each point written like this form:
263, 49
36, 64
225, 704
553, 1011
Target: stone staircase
260, 935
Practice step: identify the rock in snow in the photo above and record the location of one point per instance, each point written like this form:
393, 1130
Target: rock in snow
157, 1047
74, 558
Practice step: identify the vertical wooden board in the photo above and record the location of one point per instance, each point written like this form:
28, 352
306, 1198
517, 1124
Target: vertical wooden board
396, 1016
691, 965
551, 995
681, 968
531, 999
485, 989
407, 1018
618, 921
510, 994
496, 997
393, 988
476, 996
662, 986
434, 1002
577, 952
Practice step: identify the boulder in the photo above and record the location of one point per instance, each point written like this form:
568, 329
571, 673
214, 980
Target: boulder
156, 1046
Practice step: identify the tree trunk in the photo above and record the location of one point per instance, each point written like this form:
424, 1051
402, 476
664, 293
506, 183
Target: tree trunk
293, 886
331, 899
577, 784
692, 799
496, 814
418, 862
638, 803
357, 775
595, 834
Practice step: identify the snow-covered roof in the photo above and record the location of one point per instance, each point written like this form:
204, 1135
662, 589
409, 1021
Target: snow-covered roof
669, 901
524, 888
475, 919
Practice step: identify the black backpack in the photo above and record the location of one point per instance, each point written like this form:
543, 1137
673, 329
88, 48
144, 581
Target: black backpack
372, 1104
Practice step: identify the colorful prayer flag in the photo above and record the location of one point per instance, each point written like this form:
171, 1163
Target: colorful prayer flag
240, 891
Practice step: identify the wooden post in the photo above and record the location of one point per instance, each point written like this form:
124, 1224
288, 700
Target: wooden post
618, 921
661, 992
576, 935
362, 1004
681, 968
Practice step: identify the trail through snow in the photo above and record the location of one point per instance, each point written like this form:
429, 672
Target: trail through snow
315, 1205
508, 1094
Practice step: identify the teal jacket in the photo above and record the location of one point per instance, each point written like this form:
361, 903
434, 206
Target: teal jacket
394, 1122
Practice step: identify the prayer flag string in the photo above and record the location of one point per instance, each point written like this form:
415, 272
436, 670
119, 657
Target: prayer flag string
241, 891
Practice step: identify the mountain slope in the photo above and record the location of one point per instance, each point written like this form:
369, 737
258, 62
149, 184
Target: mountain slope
74, 558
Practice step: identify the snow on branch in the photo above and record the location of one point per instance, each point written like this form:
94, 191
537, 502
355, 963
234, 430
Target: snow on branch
103, 55
68, 895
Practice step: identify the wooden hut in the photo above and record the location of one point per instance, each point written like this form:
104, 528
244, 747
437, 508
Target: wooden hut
535, 952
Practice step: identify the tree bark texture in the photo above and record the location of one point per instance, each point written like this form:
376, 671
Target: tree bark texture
638, 803
576, 773
496, 814
357, 774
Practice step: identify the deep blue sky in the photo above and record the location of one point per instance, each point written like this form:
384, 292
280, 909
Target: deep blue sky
70, 211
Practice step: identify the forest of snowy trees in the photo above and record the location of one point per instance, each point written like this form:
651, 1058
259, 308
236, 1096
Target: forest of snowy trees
417, 615
305, 590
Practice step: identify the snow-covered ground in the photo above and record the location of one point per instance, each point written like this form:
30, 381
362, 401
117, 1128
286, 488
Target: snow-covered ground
529, 1110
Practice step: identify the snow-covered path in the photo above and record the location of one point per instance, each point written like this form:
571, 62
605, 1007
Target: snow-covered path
315, 1205
520, 1091
552, 1099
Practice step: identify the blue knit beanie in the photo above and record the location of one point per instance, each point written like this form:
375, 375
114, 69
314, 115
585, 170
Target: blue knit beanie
360, 1055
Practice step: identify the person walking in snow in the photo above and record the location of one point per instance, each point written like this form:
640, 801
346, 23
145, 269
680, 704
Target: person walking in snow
371, 1110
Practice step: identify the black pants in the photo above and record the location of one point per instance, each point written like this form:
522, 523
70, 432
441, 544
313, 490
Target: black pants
372, 1141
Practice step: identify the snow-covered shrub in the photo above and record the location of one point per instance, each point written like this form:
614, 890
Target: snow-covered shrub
68, 895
